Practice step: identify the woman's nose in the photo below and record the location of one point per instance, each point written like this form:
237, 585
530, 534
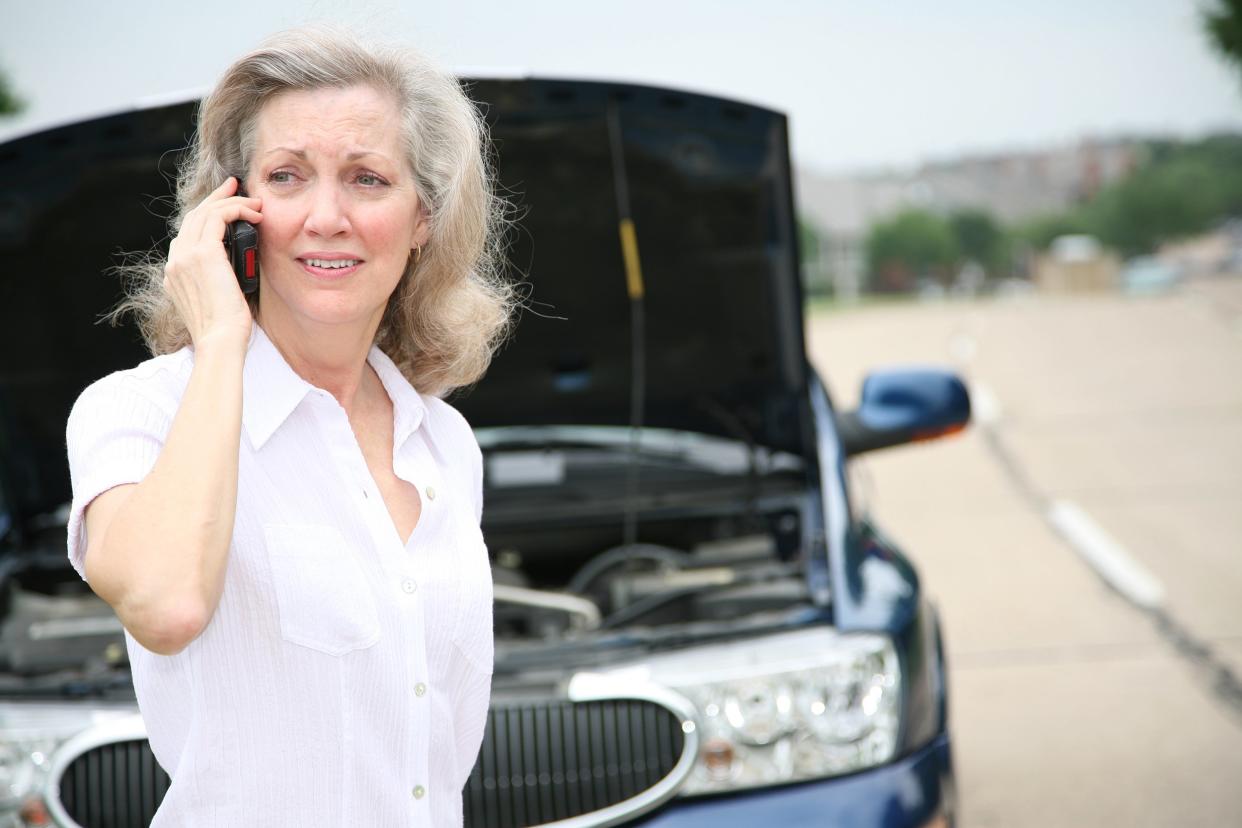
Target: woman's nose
327, 216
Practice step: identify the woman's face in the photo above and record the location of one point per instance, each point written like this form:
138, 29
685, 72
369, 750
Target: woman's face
340, 213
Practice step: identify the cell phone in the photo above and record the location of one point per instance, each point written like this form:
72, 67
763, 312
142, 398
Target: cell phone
241, 244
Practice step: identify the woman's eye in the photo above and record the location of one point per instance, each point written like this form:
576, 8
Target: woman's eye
280, 177
369, 180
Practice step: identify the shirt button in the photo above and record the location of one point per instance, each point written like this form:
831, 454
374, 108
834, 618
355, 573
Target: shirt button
419, 791
431, 493
420, 689
408, 586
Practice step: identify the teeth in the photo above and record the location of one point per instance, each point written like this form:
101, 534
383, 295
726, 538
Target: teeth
332, 263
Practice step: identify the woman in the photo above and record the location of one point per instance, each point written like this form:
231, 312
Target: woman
280, 509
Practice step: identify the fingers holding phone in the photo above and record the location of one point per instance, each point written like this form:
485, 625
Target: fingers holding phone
202, 272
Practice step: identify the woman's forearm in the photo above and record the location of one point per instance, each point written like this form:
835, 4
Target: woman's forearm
160, 560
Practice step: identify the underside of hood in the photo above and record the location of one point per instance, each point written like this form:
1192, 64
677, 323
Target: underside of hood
708, 184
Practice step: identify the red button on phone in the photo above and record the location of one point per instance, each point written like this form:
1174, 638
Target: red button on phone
250, 263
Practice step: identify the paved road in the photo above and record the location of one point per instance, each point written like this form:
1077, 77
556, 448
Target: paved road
1071, 704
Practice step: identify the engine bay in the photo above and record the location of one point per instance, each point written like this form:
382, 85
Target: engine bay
579, 562
719, 576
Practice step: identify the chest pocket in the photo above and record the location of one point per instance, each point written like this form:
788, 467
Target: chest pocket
321, 592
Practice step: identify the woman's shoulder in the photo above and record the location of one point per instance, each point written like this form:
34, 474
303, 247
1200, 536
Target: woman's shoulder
447, 420
161, 380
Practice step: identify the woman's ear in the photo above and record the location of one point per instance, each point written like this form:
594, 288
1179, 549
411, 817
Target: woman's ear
422, 229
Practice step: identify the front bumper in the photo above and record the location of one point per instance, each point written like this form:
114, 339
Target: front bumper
913, 792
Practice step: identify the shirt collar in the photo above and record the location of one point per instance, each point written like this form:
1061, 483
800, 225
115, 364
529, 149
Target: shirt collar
407, 404
271, 390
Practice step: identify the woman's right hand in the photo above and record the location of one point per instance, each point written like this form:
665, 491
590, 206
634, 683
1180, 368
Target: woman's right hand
198, 276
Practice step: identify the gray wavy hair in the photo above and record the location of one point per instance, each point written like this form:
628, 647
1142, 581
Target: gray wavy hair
452, 307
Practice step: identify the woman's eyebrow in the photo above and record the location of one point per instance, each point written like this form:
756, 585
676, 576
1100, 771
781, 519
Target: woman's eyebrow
352, 156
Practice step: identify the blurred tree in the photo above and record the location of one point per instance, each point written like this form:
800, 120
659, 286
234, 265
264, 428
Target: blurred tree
1159, 203
1222, 19
1180, 189
10, 104
911, 246
1040, 231
808, 240
1223, 153
814, 280
980, 239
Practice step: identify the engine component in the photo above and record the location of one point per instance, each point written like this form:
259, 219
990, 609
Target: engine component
49, 632
601, 563
584, 615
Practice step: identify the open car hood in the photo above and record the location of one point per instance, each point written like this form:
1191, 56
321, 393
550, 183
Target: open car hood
709, 188
709, 192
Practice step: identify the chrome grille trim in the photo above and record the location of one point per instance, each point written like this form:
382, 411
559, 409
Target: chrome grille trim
584, 687
593, 687
127, 729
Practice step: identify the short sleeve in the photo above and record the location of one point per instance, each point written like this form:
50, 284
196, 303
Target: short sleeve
114, 435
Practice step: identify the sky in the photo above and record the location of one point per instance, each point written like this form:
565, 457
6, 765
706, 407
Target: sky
866, 85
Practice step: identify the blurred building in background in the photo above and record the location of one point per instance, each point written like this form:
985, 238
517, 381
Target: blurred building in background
840, 209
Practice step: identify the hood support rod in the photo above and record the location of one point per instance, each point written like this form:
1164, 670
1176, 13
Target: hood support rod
634, 288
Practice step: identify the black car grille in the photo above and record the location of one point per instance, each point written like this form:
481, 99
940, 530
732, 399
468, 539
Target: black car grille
550, 761
116, 785
540, 763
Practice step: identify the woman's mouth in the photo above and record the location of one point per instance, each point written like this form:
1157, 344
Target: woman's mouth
334, 268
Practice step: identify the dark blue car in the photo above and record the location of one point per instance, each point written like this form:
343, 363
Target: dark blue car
694, 627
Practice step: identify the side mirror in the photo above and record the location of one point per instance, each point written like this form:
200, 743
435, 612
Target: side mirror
904, 406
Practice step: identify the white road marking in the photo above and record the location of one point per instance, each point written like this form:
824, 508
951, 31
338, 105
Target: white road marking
1093, 544
984, 407
1105, 555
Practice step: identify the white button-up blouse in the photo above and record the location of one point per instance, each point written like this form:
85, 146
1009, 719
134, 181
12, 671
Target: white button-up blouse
345, 675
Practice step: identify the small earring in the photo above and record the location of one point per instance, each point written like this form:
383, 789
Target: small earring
418, 253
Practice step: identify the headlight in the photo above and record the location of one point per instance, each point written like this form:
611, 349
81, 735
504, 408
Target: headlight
30, 732
784, 708
837, 716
